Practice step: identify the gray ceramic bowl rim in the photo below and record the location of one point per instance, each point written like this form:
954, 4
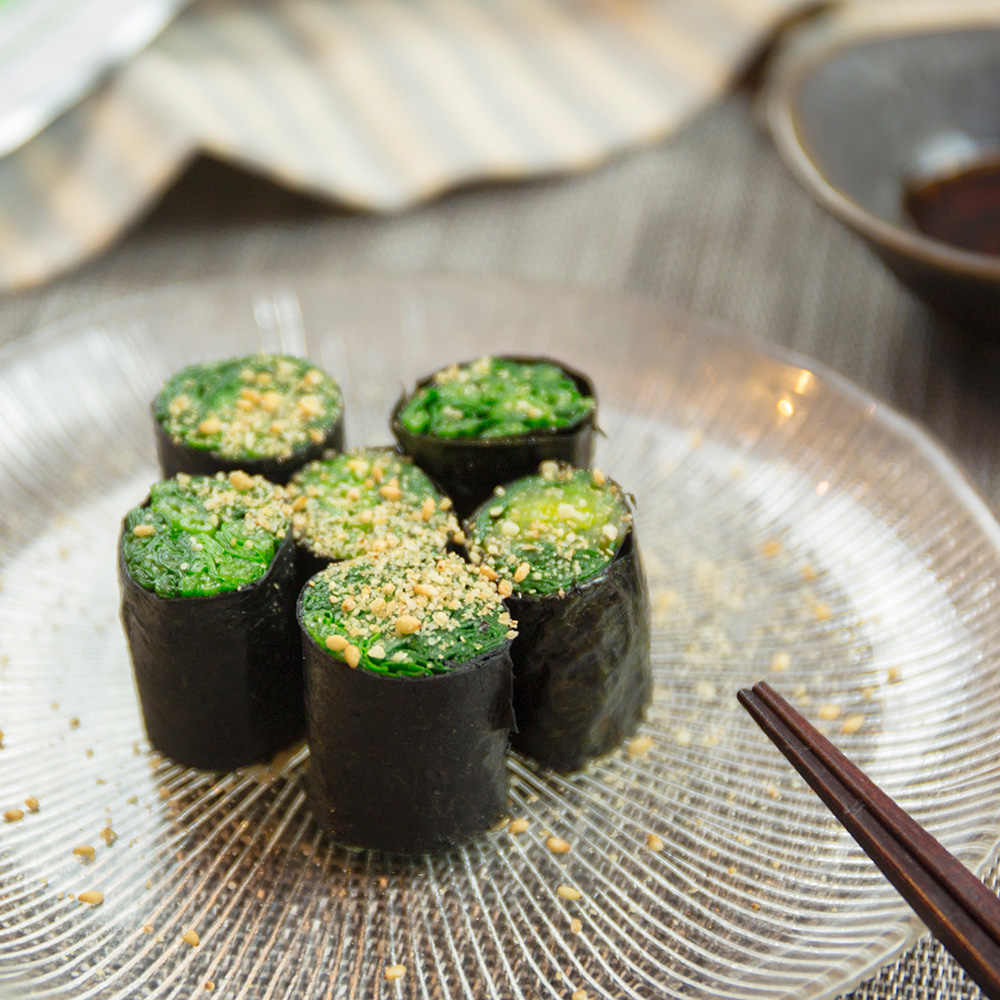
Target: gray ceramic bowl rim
825, 41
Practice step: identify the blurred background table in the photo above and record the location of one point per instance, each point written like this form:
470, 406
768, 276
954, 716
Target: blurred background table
710, 221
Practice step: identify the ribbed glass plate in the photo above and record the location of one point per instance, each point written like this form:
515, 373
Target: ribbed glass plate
793, 529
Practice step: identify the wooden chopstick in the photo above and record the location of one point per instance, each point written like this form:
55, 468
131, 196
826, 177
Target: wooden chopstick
961, 912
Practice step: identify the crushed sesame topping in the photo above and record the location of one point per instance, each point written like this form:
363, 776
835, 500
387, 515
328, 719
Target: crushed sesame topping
202, 535
438, 613
550, 531
340, 511
264, 406
495, 398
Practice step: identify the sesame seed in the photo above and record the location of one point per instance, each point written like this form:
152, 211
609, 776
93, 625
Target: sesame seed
406, 625
352, 656
654, 843
299, 503
427, 510
557, 845
337, 643
86, 853
579, 995
32, 803
829, 712
639, 746
517, 826
271, 401
91, 896
391, 492
488, 572
780, 661
240, 481
521, 573
505, 588
144, 530
191, 937
394, 972
13, 815
568, 892
852, 724
210, 425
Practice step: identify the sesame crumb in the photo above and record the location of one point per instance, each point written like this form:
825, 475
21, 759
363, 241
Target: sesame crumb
191, 937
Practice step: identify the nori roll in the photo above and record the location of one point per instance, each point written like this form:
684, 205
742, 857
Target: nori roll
207, 574
473, 426
408, 700
563, 546
265, 414
368, 500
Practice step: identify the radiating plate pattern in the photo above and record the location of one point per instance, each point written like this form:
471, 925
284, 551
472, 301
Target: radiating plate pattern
793, 530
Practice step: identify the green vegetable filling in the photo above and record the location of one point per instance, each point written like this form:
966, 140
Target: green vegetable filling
261, 406
404, 616
369, 500
202, 535
547, 532
495, 398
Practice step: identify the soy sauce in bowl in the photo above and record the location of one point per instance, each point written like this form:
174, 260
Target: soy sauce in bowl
961, 208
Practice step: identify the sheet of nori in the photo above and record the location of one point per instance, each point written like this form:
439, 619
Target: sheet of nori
219, 678
407, 764
468, 469
175, 456
581, 664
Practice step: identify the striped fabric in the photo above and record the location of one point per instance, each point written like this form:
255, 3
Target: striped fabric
374, 103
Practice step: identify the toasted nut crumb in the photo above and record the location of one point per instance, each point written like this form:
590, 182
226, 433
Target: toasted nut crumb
518, 826
91, 896
210, 425
377, 652
393, 972
144, 530
610, 532
829, 712
85, 852
654, 843
148, 929
337, 643
852, 724
505, 588
32, 803
300, 502
521, 572
639, 746
406, 625
568, 892
352, 656
599, 478
557, 845
13, 815
191, 937
575, 925
239, 480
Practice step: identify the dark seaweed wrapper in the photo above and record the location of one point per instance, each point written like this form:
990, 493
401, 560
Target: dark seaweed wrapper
219, 678
175, 456
468, 469
407, 764
581, 664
